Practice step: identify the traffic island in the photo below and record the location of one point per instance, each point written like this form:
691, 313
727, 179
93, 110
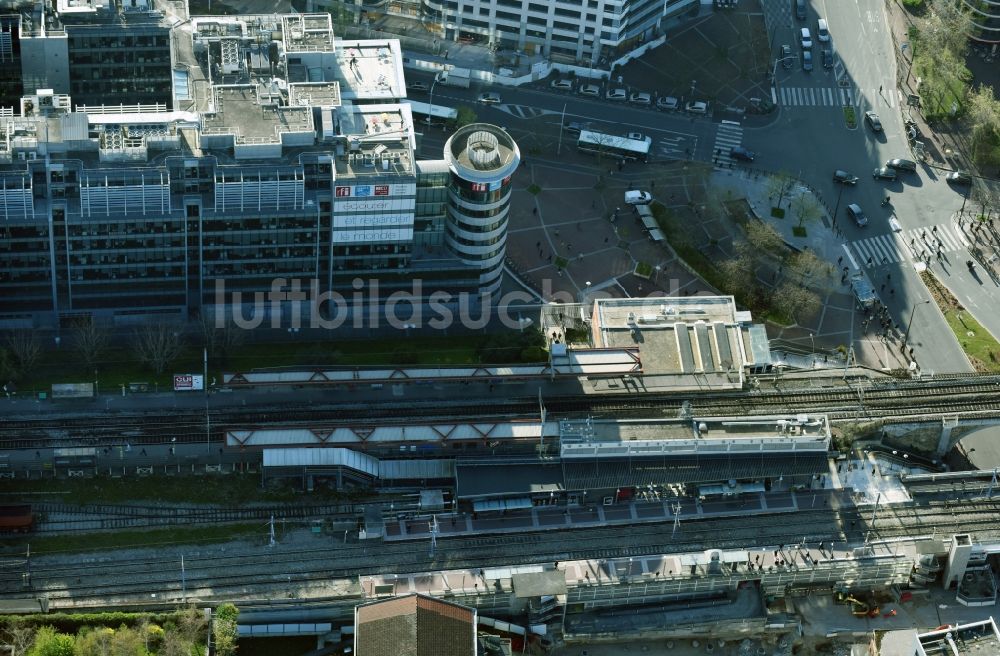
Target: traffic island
850, 117
980, 347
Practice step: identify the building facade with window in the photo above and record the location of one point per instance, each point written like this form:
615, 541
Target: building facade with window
585, 31
291, 172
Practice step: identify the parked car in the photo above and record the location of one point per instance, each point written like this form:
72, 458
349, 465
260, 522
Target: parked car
884, 173
827, 59
741, 153
807, 61
562, 85
800, 9
959, 178
905, 165
617, 94
855, 212
696, 107
590, 90
822, 31
843, 177
490, 98
667, 103
786, 56
873, 121
575, 127
640, 98
418, 86
807, 42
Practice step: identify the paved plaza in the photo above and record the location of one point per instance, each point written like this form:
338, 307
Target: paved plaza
566, 243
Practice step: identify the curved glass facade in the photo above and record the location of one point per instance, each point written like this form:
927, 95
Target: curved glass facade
482, 159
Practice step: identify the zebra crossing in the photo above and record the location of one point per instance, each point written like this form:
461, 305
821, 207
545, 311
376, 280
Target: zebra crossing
829, 96
908, 244
728, 135
817, 96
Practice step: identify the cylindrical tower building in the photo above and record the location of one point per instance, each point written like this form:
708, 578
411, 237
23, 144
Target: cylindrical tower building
482, 158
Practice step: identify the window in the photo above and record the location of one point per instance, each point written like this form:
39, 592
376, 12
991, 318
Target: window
541, 9
570, 27
567, 13
535, 20
506, 15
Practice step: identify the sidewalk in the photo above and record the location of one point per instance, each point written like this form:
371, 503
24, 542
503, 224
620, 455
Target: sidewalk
840, 322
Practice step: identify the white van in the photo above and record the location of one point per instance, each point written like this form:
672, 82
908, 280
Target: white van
807, 42
822, 31
638, 197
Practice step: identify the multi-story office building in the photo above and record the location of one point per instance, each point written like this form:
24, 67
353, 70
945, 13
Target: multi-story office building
572, 31
97, 52
288, 163
10, 61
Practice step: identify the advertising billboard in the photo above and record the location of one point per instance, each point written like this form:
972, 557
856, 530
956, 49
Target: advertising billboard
188, 382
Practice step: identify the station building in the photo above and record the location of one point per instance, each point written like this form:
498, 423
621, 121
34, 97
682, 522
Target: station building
258, 154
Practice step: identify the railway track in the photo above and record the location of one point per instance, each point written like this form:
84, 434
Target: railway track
95, 581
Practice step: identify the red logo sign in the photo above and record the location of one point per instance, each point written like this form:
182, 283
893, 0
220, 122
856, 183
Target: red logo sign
343, 191
381, 190
479, 186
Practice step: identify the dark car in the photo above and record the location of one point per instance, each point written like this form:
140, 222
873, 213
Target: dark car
843, 177
905, 165
575, 127
786, 56
884, 173
855, 212
827, 59
807, 61
959, 178
742, 154
872, 119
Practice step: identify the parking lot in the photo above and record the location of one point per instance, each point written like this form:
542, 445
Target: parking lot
722, 58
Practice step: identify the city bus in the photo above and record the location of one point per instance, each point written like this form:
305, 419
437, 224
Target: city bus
424, 113
616, 147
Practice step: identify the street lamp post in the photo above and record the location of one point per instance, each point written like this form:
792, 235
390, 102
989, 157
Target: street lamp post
909, 324
774, 69
431, 99
837, 207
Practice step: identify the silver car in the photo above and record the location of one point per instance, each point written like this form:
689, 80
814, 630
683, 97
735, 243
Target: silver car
590, 90
640, 98
617, 94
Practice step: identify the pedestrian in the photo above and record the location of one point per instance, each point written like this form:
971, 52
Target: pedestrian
538, 244
593, 204
934, 229
534, 210
606, 240
840, 260
143, 452
880, 88
892, 292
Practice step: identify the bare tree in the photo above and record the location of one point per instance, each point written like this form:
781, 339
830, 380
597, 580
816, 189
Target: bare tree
778, 185
26, 348
806, 208
90, 340
18, 639
157, 344
737, 273
221, 338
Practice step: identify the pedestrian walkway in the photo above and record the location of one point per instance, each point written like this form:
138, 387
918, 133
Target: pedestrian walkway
907, 245
816, 96
727, 137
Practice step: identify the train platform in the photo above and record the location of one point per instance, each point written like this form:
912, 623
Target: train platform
542, 518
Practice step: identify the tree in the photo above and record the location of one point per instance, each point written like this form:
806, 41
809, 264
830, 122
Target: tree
806, 208
50, 643
763, 238
221, 338
26, 349
779, 185
795, 301
803, 264
984, 117
737, 273
465, 116
157, 344
90, 340
224, 629
18, 639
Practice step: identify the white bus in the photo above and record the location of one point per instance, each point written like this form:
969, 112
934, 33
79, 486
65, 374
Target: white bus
612, 146
422, 111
